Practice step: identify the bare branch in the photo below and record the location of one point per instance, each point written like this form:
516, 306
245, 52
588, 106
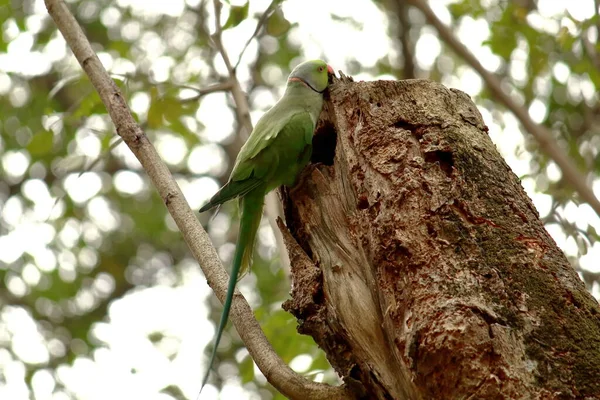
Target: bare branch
408, 47
597, 15
277, 372
217, 87
544, 137
259, 25
242, 109
590, 47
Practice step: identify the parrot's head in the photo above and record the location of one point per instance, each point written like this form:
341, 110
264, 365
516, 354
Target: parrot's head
312, 74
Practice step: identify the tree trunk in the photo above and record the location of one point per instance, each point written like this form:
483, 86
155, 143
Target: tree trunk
419, 264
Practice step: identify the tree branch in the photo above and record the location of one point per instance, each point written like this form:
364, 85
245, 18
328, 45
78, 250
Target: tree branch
597, 15
242, 108
588, 45
277, 372
408, 49
259, 25
217, 87
544, 137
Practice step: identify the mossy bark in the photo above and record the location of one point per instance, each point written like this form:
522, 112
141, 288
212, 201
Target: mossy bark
420, 265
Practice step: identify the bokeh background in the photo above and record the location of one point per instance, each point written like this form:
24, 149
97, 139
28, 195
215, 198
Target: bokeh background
99, 296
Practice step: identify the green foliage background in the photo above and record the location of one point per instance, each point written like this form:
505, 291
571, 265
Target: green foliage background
66, 286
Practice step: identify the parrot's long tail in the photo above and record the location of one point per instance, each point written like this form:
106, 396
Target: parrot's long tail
251, 205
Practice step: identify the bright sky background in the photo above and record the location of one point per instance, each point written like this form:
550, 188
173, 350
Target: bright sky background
132, 317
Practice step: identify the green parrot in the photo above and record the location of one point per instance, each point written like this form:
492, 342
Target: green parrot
277, 150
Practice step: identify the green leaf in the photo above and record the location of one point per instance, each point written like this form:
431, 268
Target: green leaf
41, 143
236, 15
277, 25
89, 104
247, 370
504, 32
166, 111
591, 231
565, 39
466, 7
154, 111
163, 109
502, 40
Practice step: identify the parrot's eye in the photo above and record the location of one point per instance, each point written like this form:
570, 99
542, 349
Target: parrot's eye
320, 69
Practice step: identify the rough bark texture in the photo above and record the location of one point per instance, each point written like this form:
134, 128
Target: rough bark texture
420, 265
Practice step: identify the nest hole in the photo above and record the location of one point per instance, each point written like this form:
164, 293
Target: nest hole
324, 142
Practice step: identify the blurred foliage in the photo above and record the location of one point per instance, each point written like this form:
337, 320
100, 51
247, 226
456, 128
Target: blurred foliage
98, 237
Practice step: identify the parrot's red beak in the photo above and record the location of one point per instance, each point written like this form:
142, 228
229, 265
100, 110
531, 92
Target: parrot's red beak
330, 74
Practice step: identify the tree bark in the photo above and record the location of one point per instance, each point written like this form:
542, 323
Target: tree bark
419, 264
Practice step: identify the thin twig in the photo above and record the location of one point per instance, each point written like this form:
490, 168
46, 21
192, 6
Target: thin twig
259, 25
544, 137
217, 87
592, 50
242, 109
288, 382
597, 15
99, 158
408, 49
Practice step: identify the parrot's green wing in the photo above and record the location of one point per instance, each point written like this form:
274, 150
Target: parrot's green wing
258, 160
231, 190
267, 130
